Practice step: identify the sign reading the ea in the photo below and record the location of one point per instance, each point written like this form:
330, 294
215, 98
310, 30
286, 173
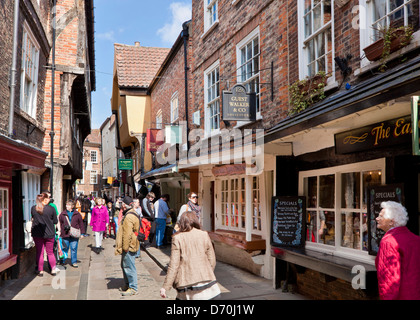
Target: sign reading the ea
239, 105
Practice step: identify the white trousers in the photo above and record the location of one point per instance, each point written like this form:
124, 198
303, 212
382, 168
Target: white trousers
98, 238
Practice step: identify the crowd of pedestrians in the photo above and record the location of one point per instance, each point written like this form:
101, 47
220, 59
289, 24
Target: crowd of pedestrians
132, 223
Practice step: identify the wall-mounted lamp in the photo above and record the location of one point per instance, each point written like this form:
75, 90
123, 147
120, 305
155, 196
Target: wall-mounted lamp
343, 64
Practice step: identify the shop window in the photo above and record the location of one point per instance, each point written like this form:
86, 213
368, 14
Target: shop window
4, 223
316, 37
337, 197
31, 185
233, 204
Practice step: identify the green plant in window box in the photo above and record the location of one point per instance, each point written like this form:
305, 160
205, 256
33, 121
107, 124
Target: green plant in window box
304, 93
392, 39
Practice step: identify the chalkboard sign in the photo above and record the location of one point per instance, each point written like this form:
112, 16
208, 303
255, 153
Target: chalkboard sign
288, 221
377, 195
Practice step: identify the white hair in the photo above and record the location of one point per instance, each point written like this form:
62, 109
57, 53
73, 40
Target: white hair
395, 211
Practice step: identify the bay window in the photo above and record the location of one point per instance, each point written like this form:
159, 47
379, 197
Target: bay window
336, 208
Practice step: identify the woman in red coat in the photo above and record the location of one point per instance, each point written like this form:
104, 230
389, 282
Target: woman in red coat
398, 259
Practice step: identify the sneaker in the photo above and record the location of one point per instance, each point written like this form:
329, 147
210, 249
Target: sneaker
74, 265
129, 292
124, 288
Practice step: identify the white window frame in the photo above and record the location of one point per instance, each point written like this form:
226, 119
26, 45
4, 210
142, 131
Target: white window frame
303, 53
28, 96
31, 187
337, 249
207, 114
5, 219
93, 177
224, 201
174, 107
211, 13
245, 41
367, 37
159, 119
94, 156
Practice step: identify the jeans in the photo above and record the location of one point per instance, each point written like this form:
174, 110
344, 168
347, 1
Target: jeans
116, 224
128, 267
160, 231
48, 244
72, 244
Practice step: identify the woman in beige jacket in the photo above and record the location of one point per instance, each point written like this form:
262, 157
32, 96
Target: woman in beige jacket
191, 268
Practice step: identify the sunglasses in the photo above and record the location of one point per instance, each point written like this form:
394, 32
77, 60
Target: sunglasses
194, 197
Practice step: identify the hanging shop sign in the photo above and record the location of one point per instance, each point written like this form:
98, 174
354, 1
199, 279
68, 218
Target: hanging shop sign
288, 224
376, 195
382, 134
239, 105
125, 164
155, 138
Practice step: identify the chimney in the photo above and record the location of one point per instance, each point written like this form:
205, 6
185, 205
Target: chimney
137, 44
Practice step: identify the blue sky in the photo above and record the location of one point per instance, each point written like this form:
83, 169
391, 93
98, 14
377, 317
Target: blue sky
154, 23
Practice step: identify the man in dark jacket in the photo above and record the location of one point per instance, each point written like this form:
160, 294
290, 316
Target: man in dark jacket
85, 207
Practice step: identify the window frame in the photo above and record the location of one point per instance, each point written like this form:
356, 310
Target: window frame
93, 159
366, 33
210, 17
207, 114
159, 119
337, 249
225, 201
239, 65
174, 109
29, 107
93, 174
5, 219
31, 186
303, 40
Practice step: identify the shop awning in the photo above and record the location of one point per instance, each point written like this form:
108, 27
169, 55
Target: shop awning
159, 171
400, 81
17, 154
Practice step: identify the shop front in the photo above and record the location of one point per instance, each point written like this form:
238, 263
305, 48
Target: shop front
21, 167
341, 157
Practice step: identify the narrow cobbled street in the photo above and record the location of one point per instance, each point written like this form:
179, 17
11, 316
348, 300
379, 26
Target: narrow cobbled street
99, 277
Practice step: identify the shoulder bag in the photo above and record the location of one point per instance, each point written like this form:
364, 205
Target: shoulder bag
74, 232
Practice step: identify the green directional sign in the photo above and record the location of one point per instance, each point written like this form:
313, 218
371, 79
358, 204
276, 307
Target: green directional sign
125, 164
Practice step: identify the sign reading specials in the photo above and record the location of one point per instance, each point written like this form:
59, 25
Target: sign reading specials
238, 105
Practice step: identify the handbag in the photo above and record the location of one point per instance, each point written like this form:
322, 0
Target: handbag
74, 232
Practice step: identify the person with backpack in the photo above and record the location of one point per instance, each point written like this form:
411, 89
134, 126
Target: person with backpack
127, 245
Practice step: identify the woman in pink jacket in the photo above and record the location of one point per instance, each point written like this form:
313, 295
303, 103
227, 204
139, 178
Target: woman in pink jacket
398, 259
99, 222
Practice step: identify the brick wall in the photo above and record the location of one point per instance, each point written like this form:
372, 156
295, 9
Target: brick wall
235, 23
319, 286
172, 81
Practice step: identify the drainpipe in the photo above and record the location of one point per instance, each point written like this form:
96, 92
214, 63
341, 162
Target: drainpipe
52, 134
14, 67
185, 36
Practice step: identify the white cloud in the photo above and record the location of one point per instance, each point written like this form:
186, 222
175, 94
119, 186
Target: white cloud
110, 36
181, 12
